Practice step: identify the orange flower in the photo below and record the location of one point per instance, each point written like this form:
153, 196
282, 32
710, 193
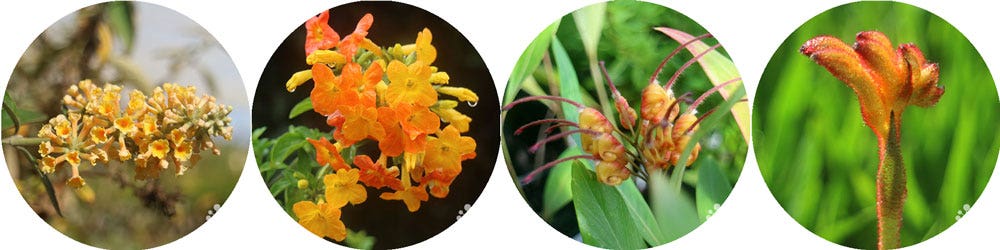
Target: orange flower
417, 121
349, 46
375, 175
412, 196
396, 140
360, 122
446, 152
321, 219
319, 34
328, 154
327, 95
361, 85
343, 187
885, 80
410, 84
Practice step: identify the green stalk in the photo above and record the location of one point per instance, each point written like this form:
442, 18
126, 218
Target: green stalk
891, 185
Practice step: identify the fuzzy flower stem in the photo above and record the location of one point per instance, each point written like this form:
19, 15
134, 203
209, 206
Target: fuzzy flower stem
891, 192
696, 122
656, 74
542, 97
531, 176
677, 74
708, 93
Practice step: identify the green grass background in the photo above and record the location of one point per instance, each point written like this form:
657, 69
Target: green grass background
819, 159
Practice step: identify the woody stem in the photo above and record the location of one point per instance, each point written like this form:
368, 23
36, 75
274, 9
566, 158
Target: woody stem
891, 189
18, 140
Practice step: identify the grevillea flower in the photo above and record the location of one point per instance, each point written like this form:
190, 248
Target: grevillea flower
886, 81
619, 153
321, 219
319, 34
343, 187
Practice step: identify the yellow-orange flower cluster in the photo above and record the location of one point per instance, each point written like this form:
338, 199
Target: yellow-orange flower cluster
170, 127
389, 96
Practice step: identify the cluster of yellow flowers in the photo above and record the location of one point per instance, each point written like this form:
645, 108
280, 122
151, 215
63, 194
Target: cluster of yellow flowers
397, 108
172, 126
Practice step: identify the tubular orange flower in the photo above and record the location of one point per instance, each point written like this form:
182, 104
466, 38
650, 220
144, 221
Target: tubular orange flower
360, 122
349, 46
321, 219
328, 154
319, 34
376, 175
343, 187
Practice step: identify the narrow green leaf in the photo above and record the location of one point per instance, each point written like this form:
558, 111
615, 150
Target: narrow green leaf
673, 210
601, 213
119, 16
643, 215
529, 61
15, 117
712, 189
301, 107
569, 85
558, 186
706, 127
589, 23
719, 69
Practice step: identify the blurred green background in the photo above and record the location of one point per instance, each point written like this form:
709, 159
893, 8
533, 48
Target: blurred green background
819, 159
632, 50
149, 45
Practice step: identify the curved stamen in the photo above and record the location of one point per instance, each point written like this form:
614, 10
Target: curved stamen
674, 104
688, 64
656, 74
542, 97
560, 136
543, 121
696, 122
560, 125
709, 92
531, 176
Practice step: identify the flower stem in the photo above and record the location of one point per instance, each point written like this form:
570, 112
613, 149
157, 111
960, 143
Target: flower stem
18, 140
891, 193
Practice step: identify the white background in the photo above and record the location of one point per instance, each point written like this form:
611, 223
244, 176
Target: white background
500, 30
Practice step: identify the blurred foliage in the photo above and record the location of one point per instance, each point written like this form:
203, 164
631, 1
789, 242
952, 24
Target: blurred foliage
113, 210
819, 159
568, 197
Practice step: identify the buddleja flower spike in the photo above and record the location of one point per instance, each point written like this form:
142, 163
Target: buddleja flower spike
886, 81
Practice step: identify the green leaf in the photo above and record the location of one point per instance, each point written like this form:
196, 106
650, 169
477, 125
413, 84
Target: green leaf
13, 116
285, 145
569, 85
713, 187
672, 209
601, 213
49, 190
119, 16
558, 188
706, 127
529, 61
301, 107
643, 215
719, 69
589, 22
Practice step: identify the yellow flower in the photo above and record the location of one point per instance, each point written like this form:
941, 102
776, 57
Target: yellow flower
182, 151
49, 164
325, 57
76, 182
159, 148
297, 79
440, 78
410, 84
302, 184
446, 110
97, 135
125, 125
426, 52
343, 187
463, 94
321, 219
73, 157
412, 196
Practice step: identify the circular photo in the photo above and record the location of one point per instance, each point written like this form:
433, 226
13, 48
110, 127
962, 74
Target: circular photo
858, 137
120, 128
625, 125
375, 125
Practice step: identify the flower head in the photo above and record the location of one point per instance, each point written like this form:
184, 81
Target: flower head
319, 34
